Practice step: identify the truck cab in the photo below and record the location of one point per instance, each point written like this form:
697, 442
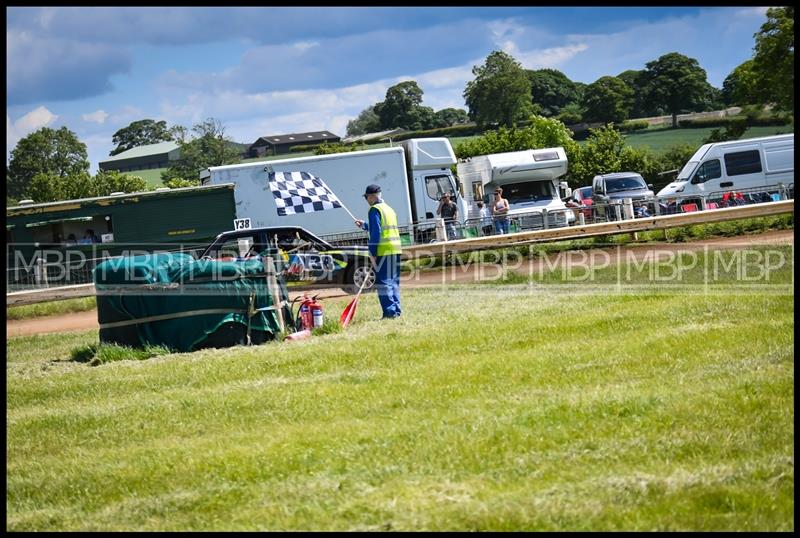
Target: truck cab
428, 165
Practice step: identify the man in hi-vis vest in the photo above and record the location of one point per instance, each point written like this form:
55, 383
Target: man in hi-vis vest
384, 250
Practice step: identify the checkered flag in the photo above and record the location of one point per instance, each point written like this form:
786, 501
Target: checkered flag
300, 192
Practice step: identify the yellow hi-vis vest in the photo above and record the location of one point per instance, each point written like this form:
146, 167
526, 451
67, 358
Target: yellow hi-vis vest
390, 235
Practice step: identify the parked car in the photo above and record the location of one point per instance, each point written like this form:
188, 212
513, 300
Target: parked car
583, 198
608, 189
305, 257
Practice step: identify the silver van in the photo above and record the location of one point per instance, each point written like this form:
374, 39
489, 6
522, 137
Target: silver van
736, 165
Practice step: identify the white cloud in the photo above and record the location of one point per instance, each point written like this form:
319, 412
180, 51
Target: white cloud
30, 122
303, 46
99, 116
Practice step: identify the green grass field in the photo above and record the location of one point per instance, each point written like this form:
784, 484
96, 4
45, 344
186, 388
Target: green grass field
660, 140
485, 407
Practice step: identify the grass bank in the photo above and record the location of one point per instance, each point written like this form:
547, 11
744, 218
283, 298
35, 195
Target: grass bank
51, 308
482, 408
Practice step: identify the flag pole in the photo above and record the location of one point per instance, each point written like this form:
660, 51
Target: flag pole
348, 211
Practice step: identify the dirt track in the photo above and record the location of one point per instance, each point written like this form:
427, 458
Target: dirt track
88, 320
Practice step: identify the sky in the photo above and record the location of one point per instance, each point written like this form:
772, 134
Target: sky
277, 70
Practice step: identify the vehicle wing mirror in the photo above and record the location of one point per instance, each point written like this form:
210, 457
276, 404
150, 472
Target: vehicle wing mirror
650, 186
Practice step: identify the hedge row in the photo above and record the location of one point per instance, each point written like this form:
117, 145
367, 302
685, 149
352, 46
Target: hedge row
762, 121
633, 125
466, 129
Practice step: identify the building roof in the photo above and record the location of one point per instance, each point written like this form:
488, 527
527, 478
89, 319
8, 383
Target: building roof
374, 136
145, 151
297, 138
105, 200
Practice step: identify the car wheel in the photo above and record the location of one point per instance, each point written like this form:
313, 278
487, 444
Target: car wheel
356, 277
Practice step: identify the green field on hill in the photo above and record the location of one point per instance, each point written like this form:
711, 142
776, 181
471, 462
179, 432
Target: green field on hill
484, 407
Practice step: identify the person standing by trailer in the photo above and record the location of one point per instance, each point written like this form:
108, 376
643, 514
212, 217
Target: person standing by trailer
448, 210
384, 250
500, 211
486, 218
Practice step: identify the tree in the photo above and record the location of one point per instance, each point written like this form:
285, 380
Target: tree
606, 151
571, 114
48, 187
637, 81
178, 133
500, 92
366, 122
397, 110
108, 181
677, 83
740, 86
773, 61
421, 118
551, 90
56, 153
540, 133
607, 99
141, 133
447, 117
209, 147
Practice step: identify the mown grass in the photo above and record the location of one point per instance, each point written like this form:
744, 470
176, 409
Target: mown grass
51, 308
481, 408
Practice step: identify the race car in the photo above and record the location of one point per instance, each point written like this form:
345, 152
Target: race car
305, 258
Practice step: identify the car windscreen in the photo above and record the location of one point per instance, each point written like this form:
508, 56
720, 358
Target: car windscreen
619, 184
533, 191
687, 170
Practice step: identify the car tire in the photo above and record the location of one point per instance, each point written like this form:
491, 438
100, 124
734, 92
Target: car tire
355, 277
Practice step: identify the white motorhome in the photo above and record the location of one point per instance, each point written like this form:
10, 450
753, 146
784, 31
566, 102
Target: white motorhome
412, 177
530, 182
736, 165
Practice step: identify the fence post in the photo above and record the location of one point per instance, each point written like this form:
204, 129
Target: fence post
277, 300
40, 272
441, 233
544, 219
703, 205
581, 219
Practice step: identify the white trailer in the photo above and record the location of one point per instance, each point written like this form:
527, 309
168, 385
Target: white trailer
412, 177
529, 179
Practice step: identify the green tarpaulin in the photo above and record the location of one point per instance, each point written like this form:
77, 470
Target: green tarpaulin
173, 300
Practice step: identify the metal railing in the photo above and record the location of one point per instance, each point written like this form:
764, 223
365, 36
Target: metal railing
424, 231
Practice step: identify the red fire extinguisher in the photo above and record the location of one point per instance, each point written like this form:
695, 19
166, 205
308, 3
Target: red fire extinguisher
309, 314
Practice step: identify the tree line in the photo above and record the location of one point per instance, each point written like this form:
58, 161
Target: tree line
52, 164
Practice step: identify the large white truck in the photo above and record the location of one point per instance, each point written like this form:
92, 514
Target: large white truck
530, 183
413, 176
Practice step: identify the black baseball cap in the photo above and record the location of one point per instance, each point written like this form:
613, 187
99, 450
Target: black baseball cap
372, 189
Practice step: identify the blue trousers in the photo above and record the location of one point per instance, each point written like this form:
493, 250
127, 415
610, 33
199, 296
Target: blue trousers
387, 283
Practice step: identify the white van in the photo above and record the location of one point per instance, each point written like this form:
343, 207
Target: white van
736, 165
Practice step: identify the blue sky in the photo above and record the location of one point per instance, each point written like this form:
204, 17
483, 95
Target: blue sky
268, 70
